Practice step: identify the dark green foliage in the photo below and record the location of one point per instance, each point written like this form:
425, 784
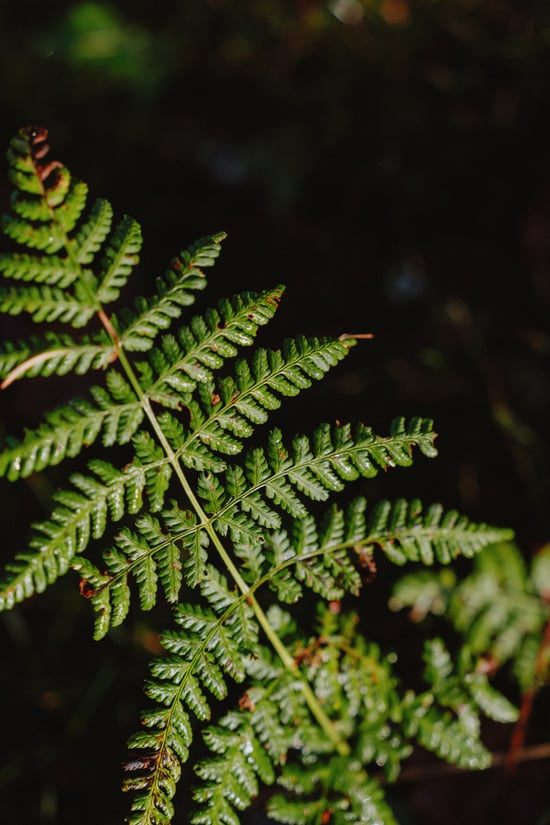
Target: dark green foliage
500, 609
224, 531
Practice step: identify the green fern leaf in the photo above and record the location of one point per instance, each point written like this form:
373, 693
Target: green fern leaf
204, 345
113, 413
405, 533
320, 703
80, 515
491, 701
315, 468
121, 255
56, 355
52, 270
232, 780
339, 790
158, 471
49, 238
47, 304
199, 654
219, 421
93, 232
174, 291
496, 605
438, 732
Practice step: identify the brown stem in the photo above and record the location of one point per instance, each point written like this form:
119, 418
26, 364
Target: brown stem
435, 770
520, 731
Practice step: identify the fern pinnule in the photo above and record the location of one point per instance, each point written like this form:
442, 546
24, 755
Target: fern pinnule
121, 255
91, 234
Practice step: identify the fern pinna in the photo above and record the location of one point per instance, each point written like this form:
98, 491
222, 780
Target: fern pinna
228, 534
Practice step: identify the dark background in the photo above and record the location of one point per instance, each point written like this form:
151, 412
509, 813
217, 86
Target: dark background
389, 161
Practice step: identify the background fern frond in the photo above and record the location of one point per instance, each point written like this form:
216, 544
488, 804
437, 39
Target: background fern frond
498, 608
337, 792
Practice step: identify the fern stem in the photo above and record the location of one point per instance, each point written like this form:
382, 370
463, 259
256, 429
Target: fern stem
313, 703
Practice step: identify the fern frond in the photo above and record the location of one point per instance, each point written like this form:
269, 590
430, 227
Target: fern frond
321, 558
405, 533
46, 202
258, 495
112, 412
223, 417
465, 690
48, 304
139, 328
338, 792
52, 270
230, 781
447, 737
149, 555
174, 369
201, 655
278, 478
80, 514
47, 207
321, 704
496, 606
497, 609
121, 256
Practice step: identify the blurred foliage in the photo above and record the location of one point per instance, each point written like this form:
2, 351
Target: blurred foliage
395, 147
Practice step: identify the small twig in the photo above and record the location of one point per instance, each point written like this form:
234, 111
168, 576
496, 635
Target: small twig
345, 335
520, 730
113, 334
435, 770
